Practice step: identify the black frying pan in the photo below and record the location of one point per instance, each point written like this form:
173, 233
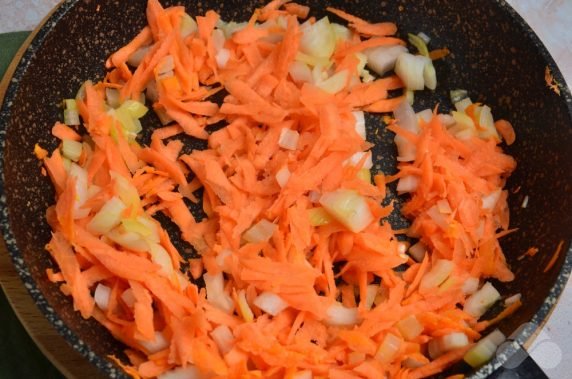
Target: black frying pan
495, 56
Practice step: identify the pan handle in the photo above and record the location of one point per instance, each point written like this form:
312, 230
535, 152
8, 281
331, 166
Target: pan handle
519, 366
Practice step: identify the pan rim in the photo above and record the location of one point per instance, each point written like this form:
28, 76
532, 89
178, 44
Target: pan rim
41, 32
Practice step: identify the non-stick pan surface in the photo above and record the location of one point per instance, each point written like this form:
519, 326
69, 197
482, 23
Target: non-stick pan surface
495, 56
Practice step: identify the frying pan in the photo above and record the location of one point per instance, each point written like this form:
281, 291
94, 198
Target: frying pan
495, 56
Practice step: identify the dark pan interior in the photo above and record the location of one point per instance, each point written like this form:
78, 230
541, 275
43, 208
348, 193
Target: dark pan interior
494, 56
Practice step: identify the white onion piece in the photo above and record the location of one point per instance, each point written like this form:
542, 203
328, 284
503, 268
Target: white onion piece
282, 176
81, 195
370, 294
222, 57
112, 97
128, 297
359, 117
334, 83
453, 341
484, 350
513, 299
188, 25
490, 201
222, 260
407, 184
262, 231
129, 240
306, 374
425, 115
444, 206
243, 307
487, 122
406, 118
339, 315
222, 336
108, 217
166, 65
101, 296
157, 344
430, 75
72, 149
270, 303
411, 70
382, 59
214, 285
218, 39
439, 272
300, 72
424, 37
349, 208
461, 105
318, 39
479, 302
161, 257
388, 348
410, 327
341, 32
136, 58
470, 286
288, 139
418, 251
355, 159
189, 372
446, 119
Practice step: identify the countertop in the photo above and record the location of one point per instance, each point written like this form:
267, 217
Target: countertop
552, 348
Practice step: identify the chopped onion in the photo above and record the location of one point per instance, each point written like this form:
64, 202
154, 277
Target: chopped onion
338, 315
446, 119
222, 260
479, 302
470, 286
161, 257
288, 139
417, 251
457, 95
157, 344
80, 176
349, 208
71, 149
282, 176
411, 70
490, 201
453, 341
270, 303
424, 37
262, 231
334, 83
126, 190
134, 108
410, 327
430, 76
218, 39
101, 296
71, 114
318, 39
410, 96
166, 65
128, 297
439, 272
425, 115
381, 59
135, 59
341, 32
406, 118
439, 218
407, 184
388, 348
108, 217
360, 124
355, 159
129, 240
214, 285
484, 350
188, 25
419, 44
444, 207
222, 336
487, 124
513, 299
319, 216
370, 294
222, 57
462, 104
232, 27
300, 72
524, 203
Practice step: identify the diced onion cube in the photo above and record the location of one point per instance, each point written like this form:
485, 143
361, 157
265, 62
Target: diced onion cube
187, 26
417, 251
470, 286
270, 303
282, 176
223, 338
161, 257
108, 217
453, 341
382, 59
388, 348
370, 293
80, 176
300, 72
101, 296
262, 231
411, 70
437, 275
407, 184
318, 39
479, 302
410, 327
355, 159
222, 57
243, 307
319, 216
349, 208
214, 285
484, 350
339, 315
288, 139
512, 299
360, 123
157, 344
334, 83
71, 149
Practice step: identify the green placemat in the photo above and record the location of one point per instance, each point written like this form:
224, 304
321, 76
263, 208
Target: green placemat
19, 355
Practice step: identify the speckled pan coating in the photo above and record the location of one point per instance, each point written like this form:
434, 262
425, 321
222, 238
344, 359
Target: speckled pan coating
506, 72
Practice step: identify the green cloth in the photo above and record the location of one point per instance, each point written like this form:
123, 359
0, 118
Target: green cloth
19, 355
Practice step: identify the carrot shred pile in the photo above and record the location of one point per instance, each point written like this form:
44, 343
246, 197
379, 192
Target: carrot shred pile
336, 294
